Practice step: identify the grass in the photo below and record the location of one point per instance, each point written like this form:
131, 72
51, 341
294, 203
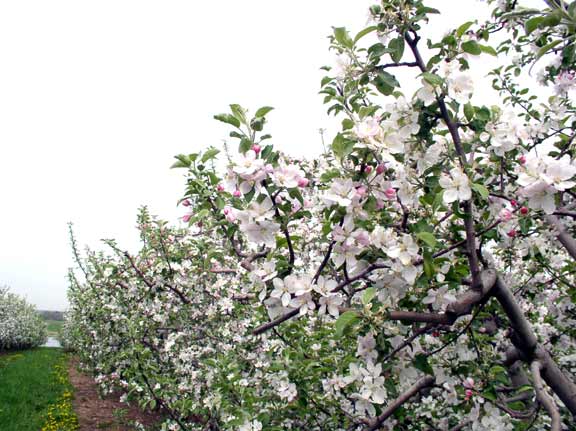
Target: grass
34, 391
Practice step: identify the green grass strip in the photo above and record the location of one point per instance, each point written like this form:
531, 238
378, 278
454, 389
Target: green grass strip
35, 393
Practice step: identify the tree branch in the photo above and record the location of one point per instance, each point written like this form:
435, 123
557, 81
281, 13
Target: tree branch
545, 399
421, 384
563, 236
526, 343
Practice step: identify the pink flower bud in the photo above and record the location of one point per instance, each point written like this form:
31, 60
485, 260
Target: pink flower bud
367, 169
186, 203
303, 182
469, 394
524, 210
511, 233
186, 218
522, 159
390, 193
256, 148
513, 202
380, 169
227, 210
220, 188
361, 191
505, 214
237, 193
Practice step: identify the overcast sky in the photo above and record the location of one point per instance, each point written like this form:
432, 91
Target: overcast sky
97, 97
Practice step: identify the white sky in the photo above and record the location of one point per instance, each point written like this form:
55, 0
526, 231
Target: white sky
97, 97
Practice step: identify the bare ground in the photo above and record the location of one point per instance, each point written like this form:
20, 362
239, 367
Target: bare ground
108, 413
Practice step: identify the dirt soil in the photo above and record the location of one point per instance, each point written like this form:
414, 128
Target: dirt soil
108, 413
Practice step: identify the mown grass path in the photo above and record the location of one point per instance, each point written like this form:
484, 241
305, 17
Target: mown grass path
35, 394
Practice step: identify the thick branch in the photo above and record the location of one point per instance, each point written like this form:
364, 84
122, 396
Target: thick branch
397, 403
526, 342
563, 236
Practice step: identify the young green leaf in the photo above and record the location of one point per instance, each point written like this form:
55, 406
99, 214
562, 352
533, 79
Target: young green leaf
396, 47
368, 295
209, 154
228, 119
263, 111
428, 238
472, 47
346, 319
481, 190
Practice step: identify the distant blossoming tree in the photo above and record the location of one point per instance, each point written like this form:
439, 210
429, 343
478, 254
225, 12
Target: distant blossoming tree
21, 327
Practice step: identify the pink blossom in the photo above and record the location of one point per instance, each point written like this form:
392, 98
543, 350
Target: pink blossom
505, 214
390, 193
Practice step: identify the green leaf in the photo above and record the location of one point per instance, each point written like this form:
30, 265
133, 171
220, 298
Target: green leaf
263, 111
220, 204
347, 124
552, 19
542, 51
472, 47
463, 28
257, 123
532, 24
201, 214
469, 111
364, 32
368, 295
183, 161
426, 9
432, 79
342, 146
489, 394
245, 145
429, 269
266, 152
385, 83
343, 37
481, 190
396, 47
428, 238
346, 319
420, 362
209, 154
228, 119
488, 50
238, 112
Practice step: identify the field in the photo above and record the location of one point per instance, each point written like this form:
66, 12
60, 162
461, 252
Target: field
35, 393
54, 327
